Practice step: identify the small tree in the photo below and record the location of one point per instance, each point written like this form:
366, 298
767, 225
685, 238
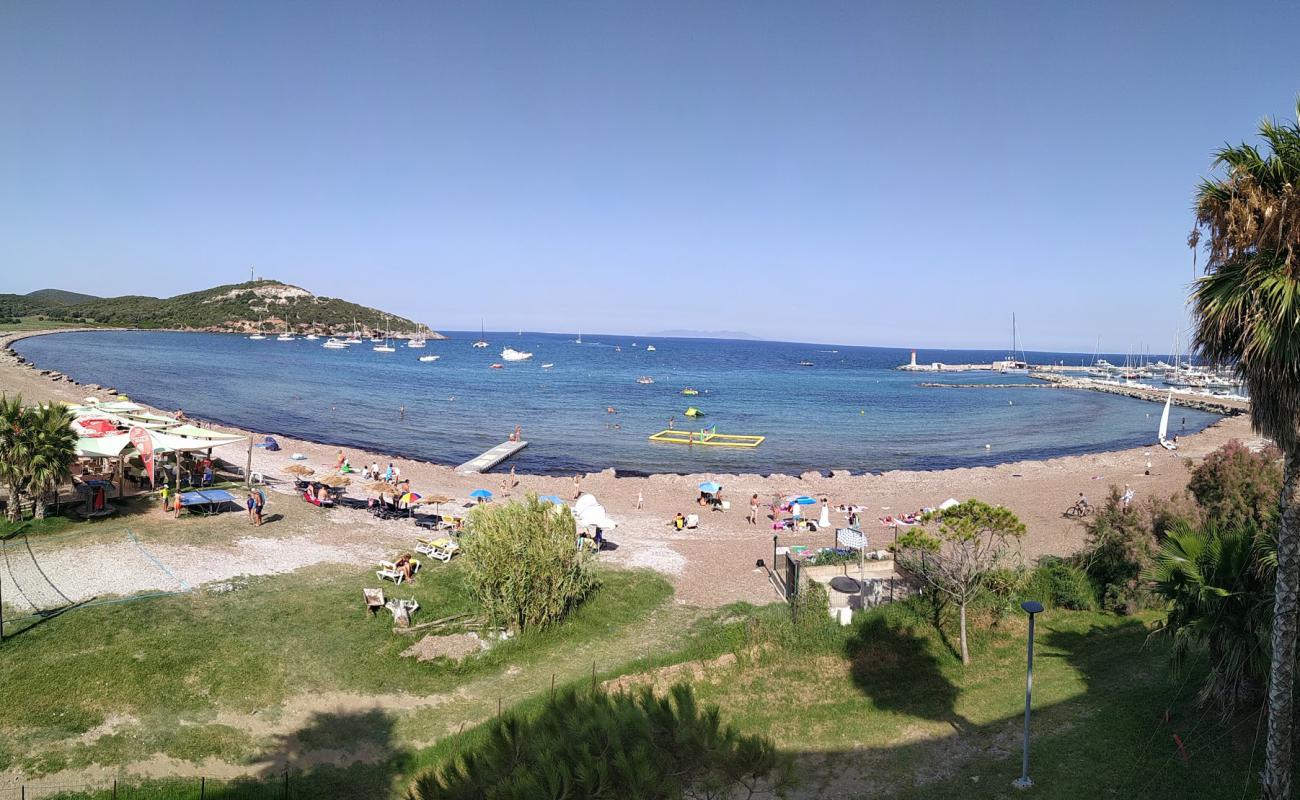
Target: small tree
971, 541
523, 564
53, 446
14, 455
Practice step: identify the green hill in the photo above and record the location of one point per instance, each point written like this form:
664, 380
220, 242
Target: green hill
265, 304
59, 297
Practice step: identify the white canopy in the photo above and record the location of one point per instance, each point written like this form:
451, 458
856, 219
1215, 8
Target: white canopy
947, 504
588, 513
163, 442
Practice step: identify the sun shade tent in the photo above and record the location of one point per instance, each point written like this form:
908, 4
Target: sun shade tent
589, 513
947, 504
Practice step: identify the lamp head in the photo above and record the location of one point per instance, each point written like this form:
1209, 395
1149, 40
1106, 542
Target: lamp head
1032, 606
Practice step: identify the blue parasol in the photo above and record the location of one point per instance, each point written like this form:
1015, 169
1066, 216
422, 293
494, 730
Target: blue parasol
709, 487
484, 493
552, 499
802, 500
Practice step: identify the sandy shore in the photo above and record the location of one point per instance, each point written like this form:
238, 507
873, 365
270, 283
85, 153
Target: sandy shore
714, 564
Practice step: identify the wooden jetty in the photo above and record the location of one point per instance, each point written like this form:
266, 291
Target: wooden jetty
491, 458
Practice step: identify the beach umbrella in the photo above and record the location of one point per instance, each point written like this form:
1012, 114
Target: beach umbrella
481, 493
381, 488
800, 500
299, 469
336, 481
710, 487
435, 499
552, 499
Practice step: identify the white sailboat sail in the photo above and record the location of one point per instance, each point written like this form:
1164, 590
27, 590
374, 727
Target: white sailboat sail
1164, 424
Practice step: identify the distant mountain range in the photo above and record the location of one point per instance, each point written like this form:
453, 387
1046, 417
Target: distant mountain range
243, 307
689, 334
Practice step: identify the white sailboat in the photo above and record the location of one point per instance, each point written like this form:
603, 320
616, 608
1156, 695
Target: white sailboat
387, 346
286, 337
481, 343
1164, 424
511, 354
417, 341
1011, 363
257, 334
355, 338
579, 339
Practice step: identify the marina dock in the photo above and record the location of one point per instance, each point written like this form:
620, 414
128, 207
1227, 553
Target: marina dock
1216, 405
491, 458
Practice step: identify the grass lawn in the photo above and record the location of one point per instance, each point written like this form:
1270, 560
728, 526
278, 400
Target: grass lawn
264, 670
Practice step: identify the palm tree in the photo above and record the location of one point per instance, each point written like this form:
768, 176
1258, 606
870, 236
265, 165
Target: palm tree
1247, 313
1218, 586
52, 448
14, 443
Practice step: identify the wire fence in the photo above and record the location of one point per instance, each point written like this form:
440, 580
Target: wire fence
279, 787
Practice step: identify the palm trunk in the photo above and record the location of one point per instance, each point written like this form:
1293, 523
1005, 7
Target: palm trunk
1281, 679
965, 651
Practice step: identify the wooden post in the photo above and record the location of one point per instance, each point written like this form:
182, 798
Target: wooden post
203, 788
552, 685
248, 464
286, 784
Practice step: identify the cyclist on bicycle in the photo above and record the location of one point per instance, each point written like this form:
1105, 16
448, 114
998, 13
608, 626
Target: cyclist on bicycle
1082, 504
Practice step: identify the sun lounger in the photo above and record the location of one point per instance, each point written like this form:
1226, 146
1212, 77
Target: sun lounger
442, 548
374, 600
389, 571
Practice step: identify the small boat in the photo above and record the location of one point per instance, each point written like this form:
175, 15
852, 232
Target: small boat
547, 366
286, 337
417, 341
689, 392
257, 336
429, 358
496, 366
579, 339
334, 344
511, 354
805, 363
645, 379
311, 337
481, 343
355, 338
649, 348
1164, 424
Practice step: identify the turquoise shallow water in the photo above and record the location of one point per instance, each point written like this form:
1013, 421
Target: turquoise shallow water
850, 410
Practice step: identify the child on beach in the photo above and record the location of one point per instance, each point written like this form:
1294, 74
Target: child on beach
340, 460
251, 504
166, 493
640, 501
177, 505
752, 519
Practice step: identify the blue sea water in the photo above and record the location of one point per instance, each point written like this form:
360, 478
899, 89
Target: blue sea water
850, 410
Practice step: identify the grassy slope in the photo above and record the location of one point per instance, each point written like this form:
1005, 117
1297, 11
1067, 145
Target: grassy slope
178, 669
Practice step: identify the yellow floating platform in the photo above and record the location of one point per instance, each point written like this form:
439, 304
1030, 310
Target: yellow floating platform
707, 439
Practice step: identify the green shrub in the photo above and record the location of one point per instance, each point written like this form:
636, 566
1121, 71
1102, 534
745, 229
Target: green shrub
597, 745
1057, 584
1120, 547
522, 563
1239, 487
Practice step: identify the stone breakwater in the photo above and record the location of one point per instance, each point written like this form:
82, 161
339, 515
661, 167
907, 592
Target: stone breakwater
1228, 407
10, 358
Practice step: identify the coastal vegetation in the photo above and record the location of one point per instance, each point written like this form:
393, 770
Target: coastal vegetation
1245, 306
958, 556
589, 744
522, 565
37, 447
265, 305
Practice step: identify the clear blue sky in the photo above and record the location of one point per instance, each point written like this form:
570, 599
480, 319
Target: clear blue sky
857, 172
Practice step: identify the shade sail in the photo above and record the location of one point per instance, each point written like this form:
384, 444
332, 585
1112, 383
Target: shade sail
103, 446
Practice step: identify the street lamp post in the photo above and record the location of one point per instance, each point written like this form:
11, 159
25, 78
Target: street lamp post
1033, 608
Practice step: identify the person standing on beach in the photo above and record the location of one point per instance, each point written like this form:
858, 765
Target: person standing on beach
177, 505
753, 509
513, 480
258, 504
166, 493
251, 504
640, 501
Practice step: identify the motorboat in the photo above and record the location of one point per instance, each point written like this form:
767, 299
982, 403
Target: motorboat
429, 358
511, 354
496, 366
547, 366
257, 336
334, 344
649, 348
645, 380
805, 363
311, 337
